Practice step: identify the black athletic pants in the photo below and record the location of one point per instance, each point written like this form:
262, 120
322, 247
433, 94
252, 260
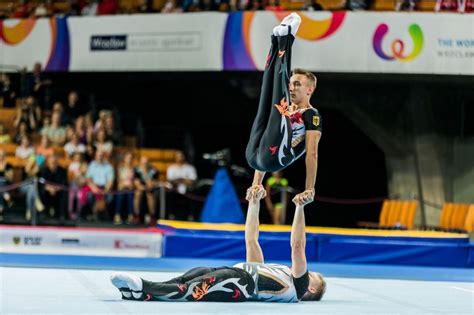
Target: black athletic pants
223, 284
269, 147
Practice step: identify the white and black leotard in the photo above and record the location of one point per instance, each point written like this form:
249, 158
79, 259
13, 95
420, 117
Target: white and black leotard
275, 283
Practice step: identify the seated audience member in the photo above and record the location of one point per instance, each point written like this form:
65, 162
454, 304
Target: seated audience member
29, 113
38, 84
182, 176
22, 131
103, 144
80, 129
30, 190
125, 175
59, 109
89, 127
145, 181
100, 179
55, 133
6, 178
100, 123
44, 150
112, 132
74, 146
274, 5
90, 8
73, 109
7, 91
311, 5
171, 6
25, 149
107, 7
77, 171
5, 138
52, 191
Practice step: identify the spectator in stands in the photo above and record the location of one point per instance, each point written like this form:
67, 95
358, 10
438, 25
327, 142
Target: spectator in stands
125, 176
29, 113
4, 135
274, 5
74, 146
43, 9
7, 91
6, 178
114, 134
99, 124
100, 179
89, 127
145, 6
80, 129
145, 181
107, 7
30, 190
73, 109
55, 133
21, 132
255, 5
77, 171
38, 84
69, 133
22, 9
103, 144
46, 123
277, 197
59, 108
311, 5
25, 149
208, 5
8, 11
182, 176
44, 150
52, 191
75, 7
90, 8
171, 6
405, 5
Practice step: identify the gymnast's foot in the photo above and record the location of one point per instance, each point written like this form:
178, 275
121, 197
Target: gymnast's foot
130, 286
290, 23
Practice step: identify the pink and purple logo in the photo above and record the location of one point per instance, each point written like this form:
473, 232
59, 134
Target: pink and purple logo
398, 46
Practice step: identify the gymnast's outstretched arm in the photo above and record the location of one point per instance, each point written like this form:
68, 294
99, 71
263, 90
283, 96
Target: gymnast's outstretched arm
254, 194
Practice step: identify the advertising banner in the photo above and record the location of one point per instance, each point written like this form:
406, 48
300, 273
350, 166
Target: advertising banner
361, 42
66, 241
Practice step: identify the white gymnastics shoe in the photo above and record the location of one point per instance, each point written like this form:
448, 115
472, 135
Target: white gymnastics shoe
130, 286
291, 21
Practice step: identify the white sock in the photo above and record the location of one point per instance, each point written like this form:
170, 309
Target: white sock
127, 281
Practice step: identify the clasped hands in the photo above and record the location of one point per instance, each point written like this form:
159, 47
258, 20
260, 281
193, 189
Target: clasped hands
257, 192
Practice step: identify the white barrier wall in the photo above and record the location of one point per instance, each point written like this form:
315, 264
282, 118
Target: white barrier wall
363, 42
80, 241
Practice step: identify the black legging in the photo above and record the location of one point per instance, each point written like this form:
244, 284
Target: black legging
269, 146
223, 284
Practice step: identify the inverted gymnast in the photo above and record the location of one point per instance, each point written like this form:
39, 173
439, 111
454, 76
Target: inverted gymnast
286, 125
254, 280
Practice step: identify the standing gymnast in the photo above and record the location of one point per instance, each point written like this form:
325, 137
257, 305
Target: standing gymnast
286, 125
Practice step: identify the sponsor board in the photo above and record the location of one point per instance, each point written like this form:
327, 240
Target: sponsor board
365, 42
80, 242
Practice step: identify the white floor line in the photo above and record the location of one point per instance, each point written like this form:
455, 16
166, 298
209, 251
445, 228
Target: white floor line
462, 289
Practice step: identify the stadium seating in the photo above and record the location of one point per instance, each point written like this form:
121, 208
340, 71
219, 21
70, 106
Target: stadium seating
453, 216
395, 214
